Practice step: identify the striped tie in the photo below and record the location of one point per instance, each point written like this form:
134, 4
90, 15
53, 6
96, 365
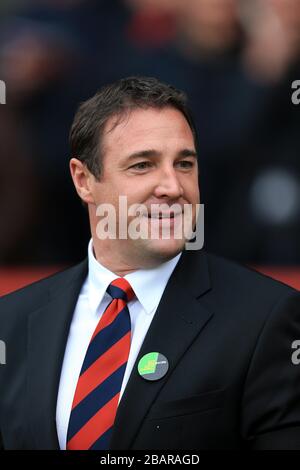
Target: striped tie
98, 388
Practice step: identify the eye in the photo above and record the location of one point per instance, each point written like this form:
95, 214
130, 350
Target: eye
141, 166
186, 164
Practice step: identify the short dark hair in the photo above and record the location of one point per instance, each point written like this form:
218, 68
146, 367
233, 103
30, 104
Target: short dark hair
117, 99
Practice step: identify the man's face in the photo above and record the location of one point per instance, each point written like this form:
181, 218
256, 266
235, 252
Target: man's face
150, 158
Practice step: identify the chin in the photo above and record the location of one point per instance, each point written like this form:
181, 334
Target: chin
165, 249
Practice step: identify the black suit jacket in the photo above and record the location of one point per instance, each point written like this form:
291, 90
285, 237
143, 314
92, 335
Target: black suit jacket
227, 333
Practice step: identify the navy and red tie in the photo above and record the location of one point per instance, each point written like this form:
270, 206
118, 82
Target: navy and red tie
98, 388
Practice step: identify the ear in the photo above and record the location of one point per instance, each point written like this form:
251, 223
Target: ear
82, 179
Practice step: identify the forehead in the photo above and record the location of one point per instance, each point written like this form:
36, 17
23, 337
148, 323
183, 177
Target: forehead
147, 126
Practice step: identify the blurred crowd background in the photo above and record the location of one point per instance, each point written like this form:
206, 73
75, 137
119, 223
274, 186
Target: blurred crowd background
236, 60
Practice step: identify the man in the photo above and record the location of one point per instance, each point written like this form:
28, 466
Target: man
147, 344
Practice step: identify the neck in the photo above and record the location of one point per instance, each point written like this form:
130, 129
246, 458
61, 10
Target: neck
121, 262
117, 266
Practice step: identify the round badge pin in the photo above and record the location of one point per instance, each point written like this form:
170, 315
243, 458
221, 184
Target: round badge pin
153, 366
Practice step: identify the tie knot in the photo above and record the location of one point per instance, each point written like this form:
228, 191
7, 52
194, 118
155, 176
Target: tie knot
121, 289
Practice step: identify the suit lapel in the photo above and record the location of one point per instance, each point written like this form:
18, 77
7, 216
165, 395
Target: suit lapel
48, 329
178, 321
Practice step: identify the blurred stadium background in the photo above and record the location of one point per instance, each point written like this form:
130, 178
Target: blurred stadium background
236, 60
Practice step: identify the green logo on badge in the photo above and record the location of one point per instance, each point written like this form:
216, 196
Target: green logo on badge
147, 364
153, 366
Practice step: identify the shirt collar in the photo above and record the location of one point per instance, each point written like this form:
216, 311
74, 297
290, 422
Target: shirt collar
148, 284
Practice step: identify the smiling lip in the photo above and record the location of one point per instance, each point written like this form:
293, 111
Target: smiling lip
163, 215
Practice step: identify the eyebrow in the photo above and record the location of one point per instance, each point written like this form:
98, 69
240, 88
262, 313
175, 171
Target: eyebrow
154, 153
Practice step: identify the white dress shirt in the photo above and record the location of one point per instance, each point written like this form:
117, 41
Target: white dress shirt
148, 285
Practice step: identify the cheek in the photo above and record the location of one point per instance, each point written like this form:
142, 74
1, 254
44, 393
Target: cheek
106, 194
103, 194
134, 192
137, 190
191, 188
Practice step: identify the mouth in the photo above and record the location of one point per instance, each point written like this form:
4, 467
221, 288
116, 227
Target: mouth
170, 215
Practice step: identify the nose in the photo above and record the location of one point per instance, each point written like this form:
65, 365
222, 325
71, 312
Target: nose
169, 185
